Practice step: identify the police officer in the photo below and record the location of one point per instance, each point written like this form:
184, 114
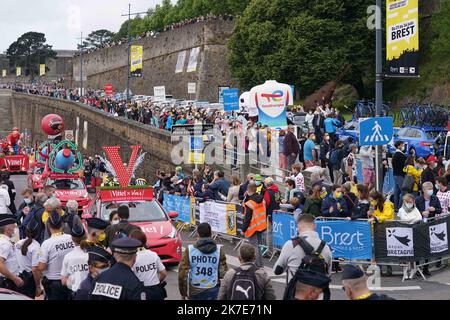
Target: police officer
99, 261
310, 285
9, 268
120, 283
205, 263
354, 282
149, 269
27, 252
75, 263
53, 251
96, 231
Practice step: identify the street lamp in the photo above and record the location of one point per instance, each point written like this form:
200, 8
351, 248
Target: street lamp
129, 14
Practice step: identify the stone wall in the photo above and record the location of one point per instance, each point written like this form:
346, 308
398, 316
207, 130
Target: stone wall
160, 59
102, 130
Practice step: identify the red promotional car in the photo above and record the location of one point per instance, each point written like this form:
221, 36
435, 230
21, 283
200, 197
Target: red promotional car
15, 164
36, 176
145, 212
70, 187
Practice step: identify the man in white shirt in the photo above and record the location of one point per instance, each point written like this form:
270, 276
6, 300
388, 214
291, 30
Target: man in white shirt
5, 200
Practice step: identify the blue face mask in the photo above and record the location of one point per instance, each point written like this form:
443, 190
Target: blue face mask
430, 192
100, 271
27, 201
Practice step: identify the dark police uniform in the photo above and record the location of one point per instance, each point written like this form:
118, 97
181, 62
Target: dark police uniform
96, 254
119, 282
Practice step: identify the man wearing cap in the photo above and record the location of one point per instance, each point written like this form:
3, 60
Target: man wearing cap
428, 174
53, 251
310, 285
354, 283
119, 282
75, 263
9, 268
122, 229
96, 228
99, 261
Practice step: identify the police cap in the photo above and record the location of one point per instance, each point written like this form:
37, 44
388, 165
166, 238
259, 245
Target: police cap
98, 254
97, 223
314, 279
126, 245
7, 219
54, 219
77, 231
352, 272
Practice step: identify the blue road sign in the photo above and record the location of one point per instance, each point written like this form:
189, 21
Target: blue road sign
196, 144
231, 100
376, 131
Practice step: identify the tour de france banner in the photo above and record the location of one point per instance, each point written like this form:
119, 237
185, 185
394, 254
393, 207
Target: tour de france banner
221, 217
42, 70
351, 240
402, 33
271, 100
182, 205
136, 61
395, 241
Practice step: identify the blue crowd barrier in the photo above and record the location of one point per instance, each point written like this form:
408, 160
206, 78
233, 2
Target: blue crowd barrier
179, 204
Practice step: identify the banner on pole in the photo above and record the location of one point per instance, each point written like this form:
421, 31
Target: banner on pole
136, 61
42, 70
3, 73
192, 88
231, 100
18, 71
402, 38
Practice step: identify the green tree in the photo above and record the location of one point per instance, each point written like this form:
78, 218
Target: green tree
97, 39
301, 42
29, 51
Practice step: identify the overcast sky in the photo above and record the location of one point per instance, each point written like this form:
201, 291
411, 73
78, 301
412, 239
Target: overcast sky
63, 20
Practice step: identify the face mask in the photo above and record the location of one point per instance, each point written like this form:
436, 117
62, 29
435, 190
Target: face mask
100, 271
338, 195
27, 201
438, 187
409, 205
430, 192
114, 222
258, 183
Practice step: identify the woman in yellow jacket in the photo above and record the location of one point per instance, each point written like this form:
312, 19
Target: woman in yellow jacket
383, 210
414, 170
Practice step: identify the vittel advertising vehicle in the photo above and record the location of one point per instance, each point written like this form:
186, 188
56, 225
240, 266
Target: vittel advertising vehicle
145, 212
70, 187
16, 163
37, 175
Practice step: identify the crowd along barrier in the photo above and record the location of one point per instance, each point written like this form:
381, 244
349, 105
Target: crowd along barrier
388, 182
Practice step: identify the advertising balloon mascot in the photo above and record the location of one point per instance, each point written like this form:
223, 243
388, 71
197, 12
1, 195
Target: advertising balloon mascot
59, 156
11, 146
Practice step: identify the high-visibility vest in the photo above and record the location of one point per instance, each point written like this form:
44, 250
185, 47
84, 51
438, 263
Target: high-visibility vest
258, 222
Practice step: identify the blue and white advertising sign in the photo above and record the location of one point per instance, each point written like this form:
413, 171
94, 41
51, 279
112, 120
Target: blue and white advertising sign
284, 228
348, 239
231, 100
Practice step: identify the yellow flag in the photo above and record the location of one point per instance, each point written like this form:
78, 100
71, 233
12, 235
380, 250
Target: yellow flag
136, 61
3, 73
18, 71
42, 70
402, 37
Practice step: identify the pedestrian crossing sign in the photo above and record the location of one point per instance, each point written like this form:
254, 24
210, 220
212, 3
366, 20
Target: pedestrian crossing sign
376, 131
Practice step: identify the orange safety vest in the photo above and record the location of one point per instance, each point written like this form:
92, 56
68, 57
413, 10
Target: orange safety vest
258, 222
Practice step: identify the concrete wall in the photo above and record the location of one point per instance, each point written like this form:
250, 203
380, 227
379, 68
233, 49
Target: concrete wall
160, 59
102, 130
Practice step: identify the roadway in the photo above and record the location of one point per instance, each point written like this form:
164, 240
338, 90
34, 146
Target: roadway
437, 287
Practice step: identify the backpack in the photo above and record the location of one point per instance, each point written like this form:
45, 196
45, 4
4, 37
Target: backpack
313, 261
334, 157
244, 285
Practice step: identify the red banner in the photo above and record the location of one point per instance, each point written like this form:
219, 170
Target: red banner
108, 89
126, 195
123, 174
